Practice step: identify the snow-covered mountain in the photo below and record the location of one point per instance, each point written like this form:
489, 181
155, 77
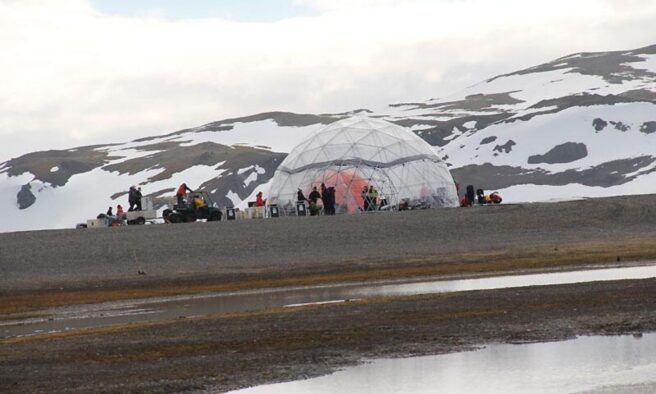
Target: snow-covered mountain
582, 125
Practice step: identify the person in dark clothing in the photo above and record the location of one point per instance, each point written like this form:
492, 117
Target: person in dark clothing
132, 198
313, 198
471, 196
365, 198
324, 195
480, 196
138, 196
109, 212
300, 197
182, 193
329, 201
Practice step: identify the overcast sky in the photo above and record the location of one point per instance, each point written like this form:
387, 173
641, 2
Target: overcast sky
78, 72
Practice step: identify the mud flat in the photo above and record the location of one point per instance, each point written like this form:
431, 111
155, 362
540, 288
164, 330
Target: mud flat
231, 350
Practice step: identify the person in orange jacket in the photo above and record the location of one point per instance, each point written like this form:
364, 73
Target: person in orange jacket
182, 193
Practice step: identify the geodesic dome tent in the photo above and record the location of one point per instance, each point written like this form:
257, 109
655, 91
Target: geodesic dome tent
359, 152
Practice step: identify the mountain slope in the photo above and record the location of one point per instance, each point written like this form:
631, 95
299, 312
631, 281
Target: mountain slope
582, 125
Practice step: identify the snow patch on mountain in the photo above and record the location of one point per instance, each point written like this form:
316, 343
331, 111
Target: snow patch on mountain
255, 171
265, 134
264, 188
649, 63
538, 193
540, 134
84, 196
234, 197
125, 154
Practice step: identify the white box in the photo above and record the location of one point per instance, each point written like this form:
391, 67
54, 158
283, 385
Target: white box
96, 223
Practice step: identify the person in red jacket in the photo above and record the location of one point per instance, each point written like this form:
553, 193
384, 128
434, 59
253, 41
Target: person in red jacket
182, 193
259, 201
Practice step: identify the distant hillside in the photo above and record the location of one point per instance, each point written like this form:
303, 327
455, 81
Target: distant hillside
581, 125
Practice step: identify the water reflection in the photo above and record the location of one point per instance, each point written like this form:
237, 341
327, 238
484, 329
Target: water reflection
586, 364
166, 308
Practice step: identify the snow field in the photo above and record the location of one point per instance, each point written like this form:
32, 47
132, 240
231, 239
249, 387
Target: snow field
542, 133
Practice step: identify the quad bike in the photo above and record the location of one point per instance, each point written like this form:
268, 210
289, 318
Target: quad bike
187, 212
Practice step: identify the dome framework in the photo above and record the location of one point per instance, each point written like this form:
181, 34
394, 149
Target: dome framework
360, 152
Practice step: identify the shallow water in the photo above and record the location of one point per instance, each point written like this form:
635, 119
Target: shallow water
586, 364
165, 308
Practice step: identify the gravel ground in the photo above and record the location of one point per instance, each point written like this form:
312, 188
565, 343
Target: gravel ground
42, 259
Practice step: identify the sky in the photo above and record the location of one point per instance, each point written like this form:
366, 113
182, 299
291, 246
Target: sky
245, 11
82, 72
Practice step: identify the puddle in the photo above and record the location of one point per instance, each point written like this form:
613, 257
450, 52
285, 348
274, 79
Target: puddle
611, 364
166, 308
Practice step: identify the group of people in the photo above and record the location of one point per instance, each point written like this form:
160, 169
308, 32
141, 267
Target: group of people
327, 196
119, 211
470, 198
134, 199
370, 198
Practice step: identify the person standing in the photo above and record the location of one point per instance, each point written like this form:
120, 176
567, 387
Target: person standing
300, 197
259, 200
329, 201
182, 193
313, 198
119, 211
138, 196
109, 212
132, 198
365, 198
373, 198
324, 197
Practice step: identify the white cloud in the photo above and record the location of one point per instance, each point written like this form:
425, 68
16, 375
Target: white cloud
353, 4
74, 76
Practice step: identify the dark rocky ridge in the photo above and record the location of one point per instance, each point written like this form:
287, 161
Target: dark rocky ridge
70, 162
474, 102
282, 119
648, 127
586, 100
612, 173
442, 129
505, 148
614, 67
25, 197
565, 153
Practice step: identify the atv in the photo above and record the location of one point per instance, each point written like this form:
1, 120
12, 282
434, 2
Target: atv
188, 212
